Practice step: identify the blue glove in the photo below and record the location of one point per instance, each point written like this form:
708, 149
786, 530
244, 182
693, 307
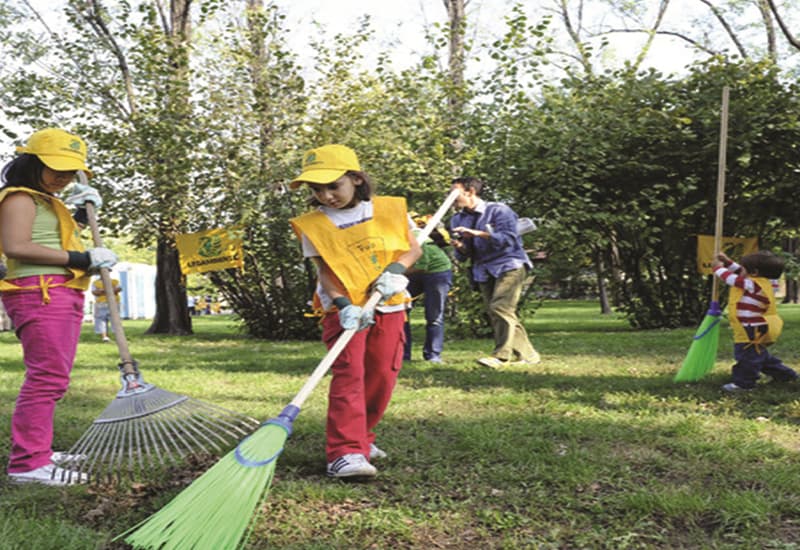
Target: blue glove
391, 281
353, 317
81, 194
101, 258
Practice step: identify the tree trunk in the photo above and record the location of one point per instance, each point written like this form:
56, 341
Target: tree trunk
602, 289
172, 313
790, 246
457, 23
172, 179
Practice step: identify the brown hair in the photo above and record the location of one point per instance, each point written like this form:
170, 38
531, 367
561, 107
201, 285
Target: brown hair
364, 191
764, 264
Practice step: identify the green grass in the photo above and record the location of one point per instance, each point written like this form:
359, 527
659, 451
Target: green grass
596, 447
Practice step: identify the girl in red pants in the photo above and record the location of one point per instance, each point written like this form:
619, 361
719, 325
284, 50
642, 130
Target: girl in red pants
359, 243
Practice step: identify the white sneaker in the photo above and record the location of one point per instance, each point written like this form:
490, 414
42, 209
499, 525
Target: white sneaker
351, 465
375, 452
730, 387
50, 474
59, 457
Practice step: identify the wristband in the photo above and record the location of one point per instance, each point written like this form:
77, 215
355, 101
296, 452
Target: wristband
395, 267
79, 260
81, 216
342, 302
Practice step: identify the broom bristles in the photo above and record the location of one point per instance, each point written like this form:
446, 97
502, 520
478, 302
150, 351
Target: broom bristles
216, 510
702, 353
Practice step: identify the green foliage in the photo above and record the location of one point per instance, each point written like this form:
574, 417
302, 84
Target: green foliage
620, 166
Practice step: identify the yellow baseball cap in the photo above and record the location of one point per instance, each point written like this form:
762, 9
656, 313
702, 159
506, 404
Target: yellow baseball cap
57, 149
326, 164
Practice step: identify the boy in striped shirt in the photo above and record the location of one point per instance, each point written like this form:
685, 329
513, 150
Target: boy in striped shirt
753, 317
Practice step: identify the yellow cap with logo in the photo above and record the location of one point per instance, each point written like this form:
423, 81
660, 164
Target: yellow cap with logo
57, 149
326, 164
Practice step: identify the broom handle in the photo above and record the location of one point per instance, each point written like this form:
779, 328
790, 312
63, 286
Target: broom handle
723, 145
347, 335
116, 321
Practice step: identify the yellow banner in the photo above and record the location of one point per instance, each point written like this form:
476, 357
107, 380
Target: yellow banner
734, 247
211, 250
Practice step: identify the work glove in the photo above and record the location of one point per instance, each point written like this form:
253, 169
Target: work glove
391, 281
81, 194
353, 317
100, 258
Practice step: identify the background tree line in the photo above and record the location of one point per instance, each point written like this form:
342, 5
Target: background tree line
198, 113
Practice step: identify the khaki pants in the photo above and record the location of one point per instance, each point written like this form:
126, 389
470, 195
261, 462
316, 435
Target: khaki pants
501, 296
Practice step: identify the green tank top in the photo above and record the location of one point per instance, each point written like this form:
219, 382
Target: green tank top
45, 232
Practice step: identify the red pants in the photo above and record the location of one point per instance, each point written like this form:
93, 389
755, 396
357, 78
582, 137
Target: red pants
364, 376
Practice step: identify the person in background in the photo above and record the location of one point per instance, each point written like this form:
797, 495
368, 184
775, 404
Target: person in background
200, 305
43, 290
360, 244
432, 277
486, 234
102, 310
190, 304
754, 318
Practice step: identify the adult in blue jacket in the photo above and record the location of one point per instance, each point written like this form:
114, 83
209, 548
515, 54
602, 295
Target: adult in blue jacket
486, 234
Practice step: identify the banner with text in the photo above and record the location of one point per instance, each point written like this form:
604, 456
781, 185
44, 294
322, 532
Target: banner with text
733, 247
211, 250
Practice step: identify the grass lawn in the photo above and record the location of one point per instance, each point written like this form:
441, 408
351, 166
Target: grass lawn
595, 447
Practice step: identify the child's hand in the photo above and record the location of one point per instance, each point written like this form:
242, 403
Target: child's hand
722, 257
716, 264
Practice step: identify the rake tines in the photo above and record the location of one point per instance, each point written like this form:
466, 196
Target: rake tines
145, 425
151, 428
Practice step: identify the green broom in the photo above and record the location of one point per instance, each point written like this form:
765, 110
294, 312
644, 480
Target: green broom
703, 352
217, 509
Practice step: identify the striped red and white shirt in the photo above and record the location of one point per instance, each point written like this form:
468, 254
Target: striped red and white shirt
753, 303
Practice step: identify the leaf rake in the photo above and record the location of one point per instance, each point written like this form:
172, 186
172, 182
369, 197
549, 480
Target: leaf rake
144, 425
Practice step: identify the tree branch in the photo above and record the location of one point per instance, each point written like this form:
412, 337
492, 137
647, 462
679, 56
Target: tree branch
676, 34
575, 35
651, 34
793, 40
718, 14
101, 29
766, 17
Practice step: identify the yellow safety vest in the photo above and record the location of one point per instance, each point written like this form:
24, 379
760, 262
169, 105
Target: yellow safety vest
358, 254
70, 240
774, 322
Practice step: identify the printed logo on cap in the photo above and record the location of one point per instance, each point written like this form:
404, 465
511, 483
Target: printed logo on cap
311, 159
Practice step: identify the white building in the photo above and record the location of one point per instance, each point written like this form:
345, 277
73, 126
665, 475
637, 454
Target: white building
138, 296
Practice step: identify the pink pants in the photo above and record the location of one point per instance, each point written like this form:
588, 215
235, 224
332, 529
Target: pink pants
49, 334
364, 376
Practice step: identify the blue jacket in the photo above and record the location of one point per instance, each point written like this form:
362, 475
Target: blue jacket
503, 250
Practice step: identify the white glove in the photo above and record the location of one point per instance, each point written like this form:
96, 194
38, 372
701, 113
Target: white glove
81, 194
100, 258
354, 317
389, 284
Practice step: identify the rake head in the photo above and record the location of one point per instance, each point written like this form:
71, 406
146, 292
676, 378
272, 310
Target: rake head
151, 427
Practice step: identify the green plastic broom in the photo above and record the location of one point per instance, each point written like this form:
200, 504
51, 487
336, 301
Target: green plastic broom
217, 509
703, 352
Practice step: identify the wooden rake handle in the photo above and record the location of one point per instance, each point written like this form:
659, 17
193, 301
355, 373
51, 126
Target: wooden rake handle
721, 165
127, 363
347, 335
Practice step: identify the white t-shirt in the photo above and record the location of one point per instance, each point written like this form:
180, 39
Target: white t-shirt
342, 218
